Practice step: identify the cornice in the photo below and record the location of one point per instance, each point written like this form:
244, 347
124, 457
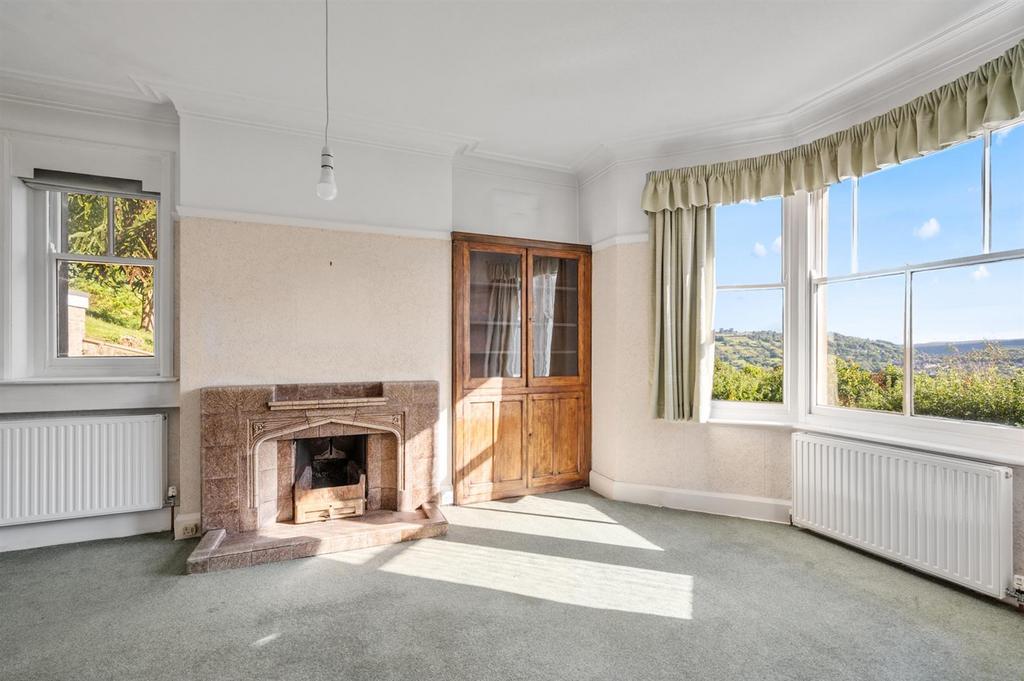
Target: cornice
955, 50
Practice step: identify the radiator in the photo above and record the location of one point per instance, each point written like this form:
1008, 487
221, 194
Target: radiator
83, 466
948, 517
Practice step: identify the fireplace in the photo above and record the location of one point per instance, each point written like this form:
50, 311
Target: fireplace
330, 478
357, 457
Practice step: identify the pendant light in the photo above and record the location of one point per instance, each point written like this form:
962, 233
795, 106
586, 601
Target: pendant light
326, 188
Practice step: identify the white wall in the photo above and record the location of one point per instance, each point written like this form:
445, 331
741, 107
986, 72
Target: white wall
233, 168
502, 198
730, 469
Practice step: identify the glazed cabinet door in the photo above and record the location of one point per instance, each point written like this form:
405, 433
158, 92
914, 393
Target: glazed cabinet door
493, 441
555, 438
490, 302
558, 283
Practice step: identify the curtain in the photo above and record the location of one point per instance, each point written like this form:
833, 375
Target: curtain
502, 356
986, 97
684, 306
545, 278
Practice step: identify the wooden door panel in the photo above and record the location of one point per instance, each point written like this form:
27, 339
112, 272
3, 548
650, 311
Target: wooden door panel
556, 437
480, 442
493, 460
542, 437
567, 453
508, 446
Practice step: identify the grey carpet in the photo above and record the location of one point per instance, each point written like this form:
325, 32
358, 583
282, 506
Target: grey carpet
567, 586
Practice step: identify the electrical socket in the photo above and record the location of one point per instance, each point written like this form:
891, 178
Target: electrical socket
190, 530
1018, 582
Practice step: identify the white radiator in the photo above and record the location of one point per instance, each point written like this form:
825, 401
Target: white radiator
80, 466
944, 516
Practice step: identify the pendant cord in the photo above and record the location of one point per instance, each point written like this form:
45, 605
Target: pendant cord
327, 71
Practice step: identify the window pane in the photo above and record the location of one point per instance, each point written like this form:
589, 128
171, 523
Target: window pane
85, 224
923, 210
748, 243
555, 316
862, 323
839, 228
748, 346
968, 326
1008, 188
495, 315
135, 228
104, 310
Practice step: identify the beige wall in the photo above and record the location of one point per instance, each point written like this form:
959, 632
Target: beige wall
630, 446
267, 304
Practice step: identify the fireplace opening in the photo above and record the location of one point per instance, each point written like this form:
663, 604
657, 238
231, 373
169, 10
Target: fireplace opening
331, 461
330, 478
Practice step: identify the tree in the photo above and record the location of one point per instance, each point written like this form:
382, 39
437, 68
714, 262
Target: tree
135, 221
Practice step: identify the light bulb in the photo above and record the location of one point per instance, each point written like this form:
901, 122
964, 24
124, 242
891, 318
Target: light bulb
326, 189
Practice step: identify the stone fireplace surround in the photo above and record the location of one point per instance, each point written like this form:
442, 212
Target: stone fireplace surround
248, 437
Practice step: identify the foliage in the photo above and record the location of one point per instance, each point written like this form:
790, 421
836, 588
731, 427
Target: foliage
976, 386
853, 386
747, 384
118, 294
981, 385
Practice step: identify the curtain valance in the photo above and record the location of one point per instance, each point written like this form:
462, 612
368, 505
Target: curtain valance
990, 95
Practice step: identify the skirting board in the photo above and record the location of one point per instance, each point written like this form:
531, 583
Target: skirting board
34, 535
717, 503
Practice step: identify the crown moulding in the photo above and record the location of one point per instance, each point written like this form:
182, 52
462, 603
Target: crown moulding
931, 63
891, 82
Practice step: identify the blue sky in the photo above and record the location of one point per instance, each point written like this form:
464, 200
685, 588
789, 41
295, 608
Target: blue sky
923, 210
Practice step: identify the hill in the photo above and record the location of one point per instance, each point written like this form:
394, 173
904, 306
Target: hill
764, 349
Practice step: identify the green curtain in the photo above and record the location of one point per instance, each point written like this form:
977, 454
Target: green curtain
680, 205
684, 307
986, 97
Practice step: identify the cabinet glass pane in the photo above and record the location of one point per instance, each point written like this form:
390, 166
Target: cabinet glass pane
555, 316
495, 315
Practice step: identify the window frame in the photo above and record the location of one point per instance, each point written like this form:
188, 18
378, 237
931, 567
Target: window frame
960, 437
793, 222
47, 224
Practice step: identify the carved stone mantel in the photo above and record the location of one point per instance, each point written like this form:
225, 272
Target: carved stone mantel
237, 420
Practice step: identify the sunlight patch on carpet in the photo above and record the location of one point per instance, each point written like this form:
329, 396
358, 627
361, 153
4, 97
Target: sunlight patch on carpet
582, 583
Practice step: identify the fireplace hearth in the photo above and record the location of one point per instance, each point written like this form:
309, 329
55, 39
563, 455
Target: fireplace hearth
357, 457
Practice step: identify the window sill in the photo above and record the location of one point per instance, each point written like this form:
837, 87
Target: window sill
78, 380
992, 444
764, 414
96, 393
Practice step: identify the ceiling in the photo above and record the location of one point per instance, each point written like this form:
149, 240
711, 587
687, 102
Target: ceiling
544, 82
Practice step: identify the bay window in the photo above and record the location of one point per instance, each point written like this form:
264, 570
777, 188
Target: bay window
749, 303
917, 287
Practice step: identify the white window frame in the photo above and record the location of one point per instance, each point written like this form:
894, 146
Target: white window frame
24, 299
794, 223
993, 442
46, 227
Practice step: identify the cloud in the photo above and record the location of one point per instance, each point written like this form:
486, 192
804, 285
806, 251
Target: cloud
980, 273
930, 228
759, 249
999, 135
777, 245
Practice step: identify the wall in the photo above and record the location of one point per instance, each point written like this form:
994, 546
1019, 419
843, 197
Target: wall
266, 304
698, 462
732, 469
502, 198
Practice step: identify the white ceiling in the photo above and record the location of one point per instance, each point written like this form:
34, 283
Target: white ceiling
541, 81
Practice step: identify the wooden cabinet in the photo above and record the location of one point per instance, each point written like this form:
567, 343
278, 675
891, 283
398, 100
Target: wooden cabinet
521, 366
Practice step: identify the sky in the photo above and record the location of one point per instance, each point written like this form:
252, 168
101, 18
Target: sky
920, 211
